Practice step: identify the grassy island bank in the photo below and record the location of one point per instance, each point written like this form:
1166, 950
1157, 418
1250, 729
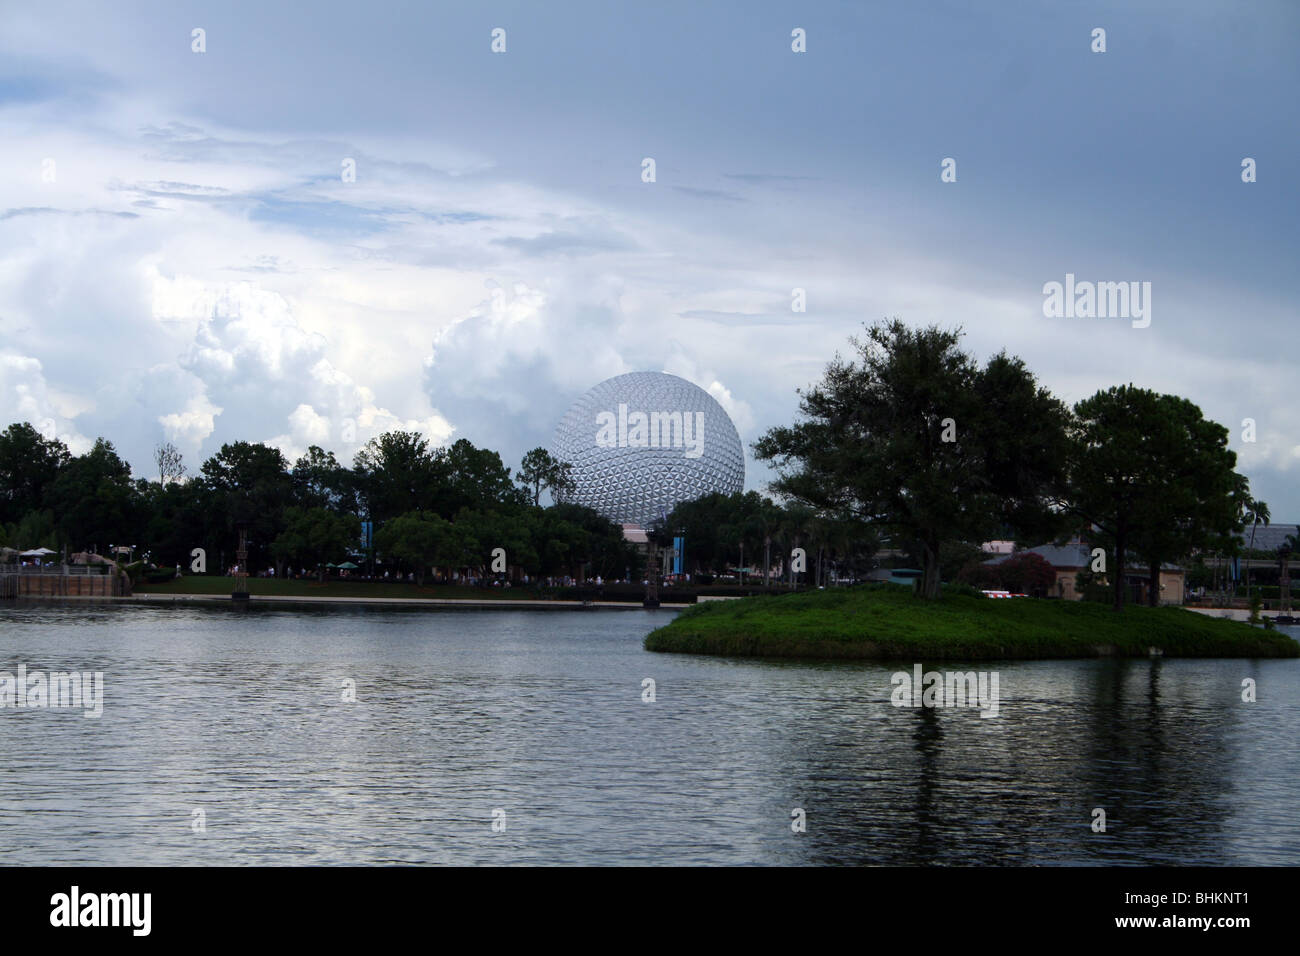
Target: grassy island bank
887, 622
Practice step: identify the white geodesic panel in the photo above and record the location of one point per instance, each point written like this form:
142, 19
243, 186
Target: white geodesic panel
639, 485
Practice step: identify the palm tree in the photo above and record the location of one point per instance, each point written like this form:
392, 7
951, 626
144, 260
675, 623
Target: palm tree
795, 523
769, 516
1256, 512
1290, 544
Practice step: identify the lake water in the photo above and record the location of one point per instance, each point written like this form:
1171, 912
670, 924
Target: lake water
538, 716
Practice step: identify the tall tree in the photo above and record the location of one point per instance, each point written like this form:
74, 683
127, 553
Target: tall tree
29, 463
917, 439
1195, 495
1109, 470
315, 537
396, 474
170, 462
474, 478
419, 539
541, 470
319, 481
1257, 513
1153, 477
251, 488
94, 499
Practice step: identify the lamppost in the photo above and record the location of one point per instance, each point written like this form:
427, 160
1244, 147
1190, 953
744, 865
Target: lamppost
240, 593
652, 569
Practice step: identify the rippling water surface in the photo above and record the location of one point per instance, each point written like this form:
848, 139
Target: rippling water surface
239, 713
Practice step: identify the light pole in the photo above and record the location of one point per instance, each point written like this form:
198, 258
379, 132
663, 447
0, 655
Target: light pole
240, 593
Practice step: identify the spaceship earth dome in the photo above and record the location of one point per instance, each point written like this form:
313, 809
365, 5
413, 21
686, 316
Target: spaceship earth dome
641, 443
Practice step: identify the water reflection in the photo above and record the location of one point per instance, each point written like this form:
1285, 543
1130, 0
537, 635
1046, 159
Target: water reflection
241, 713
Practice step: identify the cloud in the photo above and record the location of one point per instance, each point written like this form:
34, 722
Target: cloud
769, 179
372, 302
256, 365
26, 396
190, 426
569, 243
714, 194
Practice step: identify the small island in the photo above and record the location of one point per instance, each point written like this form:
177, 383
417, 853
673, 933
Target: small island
885, 622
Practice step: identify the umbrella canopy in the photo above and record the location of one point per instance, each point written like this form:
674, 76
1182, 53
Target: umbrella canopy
348, 566
38, 553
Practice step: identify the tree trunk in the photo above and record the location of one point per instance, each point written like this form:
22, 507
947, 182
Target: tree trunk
1153, 586
767, 561
930, 579
1285, 581
1249, 549
1120, 542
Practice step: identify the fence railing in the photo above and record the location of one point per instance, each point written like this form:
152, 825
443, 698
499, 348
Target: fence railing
68, 570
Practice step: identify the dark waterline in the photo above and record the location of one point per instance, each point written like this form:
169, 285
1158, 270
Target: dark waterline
239, 713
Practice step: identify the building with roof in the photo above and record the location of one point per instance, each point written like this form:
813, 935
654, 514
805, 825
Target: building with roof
1268, 538
1069, 559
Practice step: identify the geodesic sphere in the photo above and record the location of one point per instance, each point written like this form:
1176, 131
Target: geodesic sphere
642, 442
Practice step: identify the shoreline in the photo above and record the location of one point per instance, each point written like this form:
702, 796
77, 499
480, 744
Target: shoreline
472, 603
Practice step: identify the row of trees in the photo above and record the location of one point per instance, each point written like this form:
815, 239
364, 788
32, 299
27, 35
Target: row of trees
722, 530
446, 506
919, 441
912, 446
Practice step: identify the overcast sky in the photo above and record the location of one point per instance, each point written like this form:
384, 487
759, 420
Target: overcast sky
199, 271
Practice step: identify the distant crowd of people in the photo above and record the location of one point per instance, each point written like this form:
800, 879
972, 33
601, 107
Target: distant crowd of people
456, 578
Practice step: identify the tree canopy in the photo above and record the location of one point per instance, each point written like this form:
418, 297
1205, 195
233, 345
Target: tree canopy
918, 440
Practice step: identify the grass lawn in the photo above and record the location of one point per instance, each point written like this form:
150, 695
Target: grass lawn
206, 584
886, 621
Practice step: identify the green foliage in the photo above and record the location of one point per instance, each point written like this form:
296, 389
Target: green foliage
249, 486
1154, 477
396, 474
567, 536
29, 464
886, 622
304, 515
314, 537
319, 481
541, 470
475, 478
918, 439
37, 529
419, 539
961, 560
94, 500
717, 527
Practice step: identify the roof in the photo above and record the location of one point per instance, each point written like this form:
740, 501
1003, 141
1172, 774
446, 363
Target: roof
1268, 539
895, 575
1073, 554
